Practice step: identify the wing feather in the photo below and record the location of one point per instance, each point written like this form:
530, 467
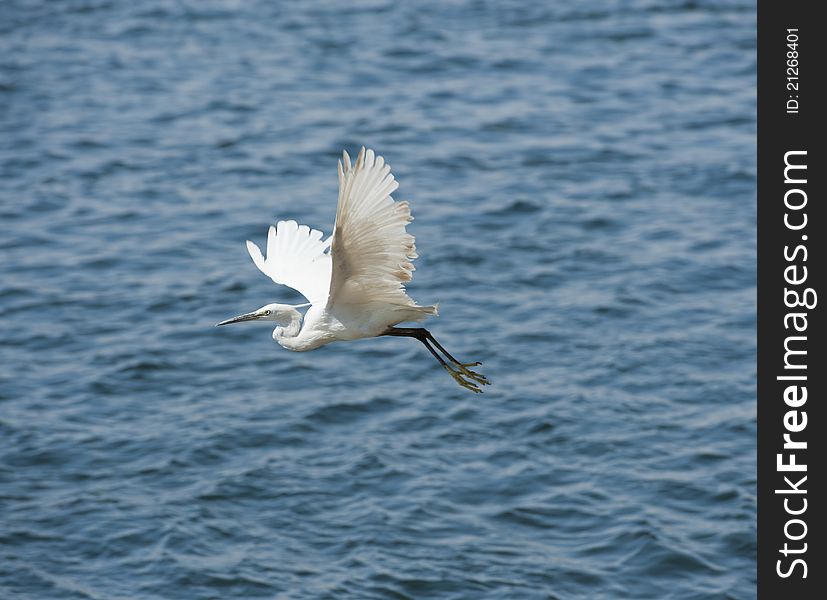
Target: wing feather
296, 257
371, 249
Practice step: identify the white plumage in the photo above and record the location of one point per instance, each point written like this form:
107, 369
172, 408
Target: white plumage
296, 258
372, 251
353, 280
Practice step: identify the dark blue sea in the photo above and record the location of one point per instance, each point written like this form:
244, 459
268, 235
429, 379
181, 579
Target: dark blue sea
583, 180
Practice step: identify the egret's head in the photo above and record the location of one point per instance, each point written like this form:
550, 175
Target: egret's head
269, 312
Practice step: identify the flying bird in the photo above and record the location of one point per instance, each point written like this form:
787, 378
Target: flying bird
353, 280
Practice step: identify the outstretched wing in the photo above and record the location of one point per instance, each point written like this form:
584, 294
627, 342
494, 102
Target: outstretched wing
296, 258
372, 251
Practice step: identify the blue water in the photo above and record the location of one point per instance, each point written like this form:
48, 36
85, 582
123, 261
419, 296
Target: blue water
583, 180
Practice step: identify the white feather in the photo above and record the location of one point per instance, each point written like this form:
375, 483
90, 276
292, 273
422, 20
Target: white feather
372, 251
297, 258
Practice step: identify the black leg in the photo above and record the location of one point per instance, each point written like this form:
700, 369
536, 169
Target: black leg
432, 339
460, 371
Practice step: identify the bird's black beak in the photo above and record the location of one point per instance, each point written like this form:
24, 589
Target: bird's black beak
253, 316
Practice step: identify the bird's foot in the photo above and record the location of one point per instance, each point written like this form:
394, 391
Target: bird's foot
460, 378
468, 373
463, 375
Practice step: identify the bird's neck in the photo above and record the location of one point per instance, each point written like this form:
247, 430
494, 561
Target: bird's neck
289, 326
300, 336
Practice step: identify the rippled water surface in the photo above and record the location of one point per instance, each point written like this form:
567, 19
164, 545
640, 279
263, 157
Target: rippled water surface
583, 180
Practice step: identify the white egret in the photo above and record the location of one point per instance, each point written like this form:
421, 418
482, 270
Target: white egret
353, 280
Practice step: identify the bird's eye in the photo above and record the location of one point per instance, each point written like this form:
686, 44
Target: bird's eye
266, 313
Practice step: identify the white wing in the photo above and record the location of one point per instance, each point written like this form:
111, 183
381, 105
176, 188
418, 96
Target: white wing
372, 251
296, 258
